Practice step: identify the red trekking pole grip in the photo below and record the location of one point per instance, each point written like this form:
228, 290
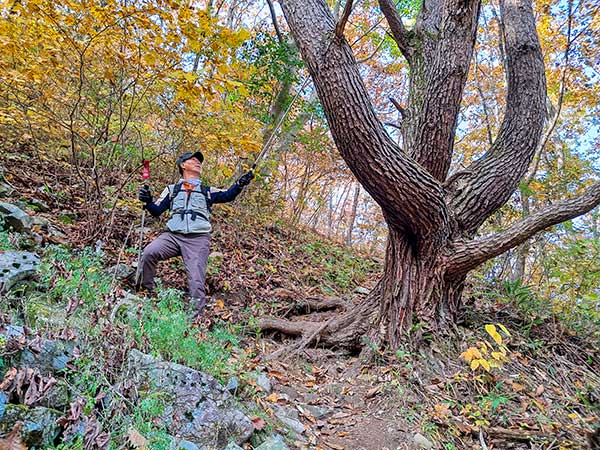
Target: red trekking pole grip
146, 170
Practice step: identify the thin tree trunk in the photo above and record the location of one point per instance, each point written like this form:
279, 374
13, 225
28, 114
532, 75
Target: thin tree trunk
352, 217
329, 213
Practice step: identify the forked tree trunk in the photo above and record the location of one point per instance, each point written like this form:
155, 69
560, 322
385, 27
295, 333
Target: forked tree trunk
432, 218
415, 288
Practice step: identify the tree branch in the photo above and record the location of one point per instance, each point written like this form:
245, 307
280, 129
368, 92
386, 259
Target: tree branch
496, 175
446, 32
339, 29
400, 109
399, 32
471, 254
275, 23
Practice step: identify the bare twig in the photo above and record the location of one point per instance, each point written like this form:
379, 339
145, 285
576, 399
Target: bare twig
397, 105
339, 29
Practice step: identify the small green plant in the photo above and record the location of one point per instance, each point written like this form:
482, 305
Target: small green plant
492, 401
341, 268
6, 240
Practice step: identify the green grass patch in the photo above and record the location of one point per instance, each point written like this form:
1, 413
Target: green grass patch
164, 329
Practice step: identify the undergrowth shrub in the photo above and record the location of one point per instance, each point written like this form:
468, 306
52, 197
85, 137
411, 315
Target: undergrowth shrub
67, 273
165, 329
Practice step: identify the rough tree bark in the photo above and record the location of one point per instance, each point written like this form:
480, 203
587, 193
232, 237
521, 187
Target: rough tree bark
433, 218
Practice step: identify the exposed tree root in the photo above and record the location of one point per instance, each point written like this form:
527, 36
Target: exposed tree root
344, 331
320, 304
311, 303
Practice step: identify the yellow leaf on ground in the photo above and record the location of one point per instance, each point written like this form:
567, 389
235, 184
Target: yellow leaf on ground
485, 364
272, 398
491, 330
504, 329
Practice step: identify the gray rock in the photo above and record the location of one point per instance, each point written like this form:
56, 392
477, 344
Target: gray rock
274, 442
422, 441
121, 270
289, 417
39, 427
233, 384
15, 217
16, 266
6, 190
289, 392
263, 382
53, 356
200, 410
317, 411
39, 221
361, 290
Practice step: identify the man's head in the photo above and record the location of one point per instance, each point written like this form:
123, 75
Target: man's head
190, 164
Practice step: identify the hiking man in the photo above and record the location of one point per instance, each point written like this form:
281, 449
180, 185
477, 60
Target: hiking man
188, 228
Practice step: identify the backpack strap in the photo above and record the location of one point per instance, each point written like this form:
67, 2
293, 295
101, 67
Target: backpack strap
205, 190
173, 193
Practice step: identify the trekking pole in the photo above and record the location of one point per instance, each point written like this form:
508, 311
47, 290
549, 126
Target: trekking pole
265, 147
145, 177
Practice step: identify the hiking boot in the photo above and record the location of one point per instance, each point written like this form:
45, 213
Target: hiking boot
199, 304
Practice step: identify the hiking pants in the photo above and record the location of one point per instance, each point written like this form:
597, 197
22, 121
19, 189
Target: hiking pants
193, 249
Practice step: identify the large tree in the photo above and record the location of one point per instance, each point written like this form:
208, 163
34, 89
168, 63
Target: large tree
433, 216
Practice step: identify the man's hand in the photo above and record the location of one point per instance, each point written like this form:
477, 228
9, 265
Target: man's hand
145, 195
246, 178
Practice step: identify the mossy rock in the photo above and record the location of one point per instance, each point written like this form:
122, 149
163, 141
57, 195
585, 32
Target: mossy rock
59, 396
39, 424
40, 314
53, 357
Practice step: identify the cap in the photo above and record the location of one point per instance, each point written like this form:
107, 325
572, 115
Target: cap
185, 156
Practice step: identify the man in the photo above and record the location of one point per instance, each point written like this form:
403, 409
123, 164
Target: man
188, 229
